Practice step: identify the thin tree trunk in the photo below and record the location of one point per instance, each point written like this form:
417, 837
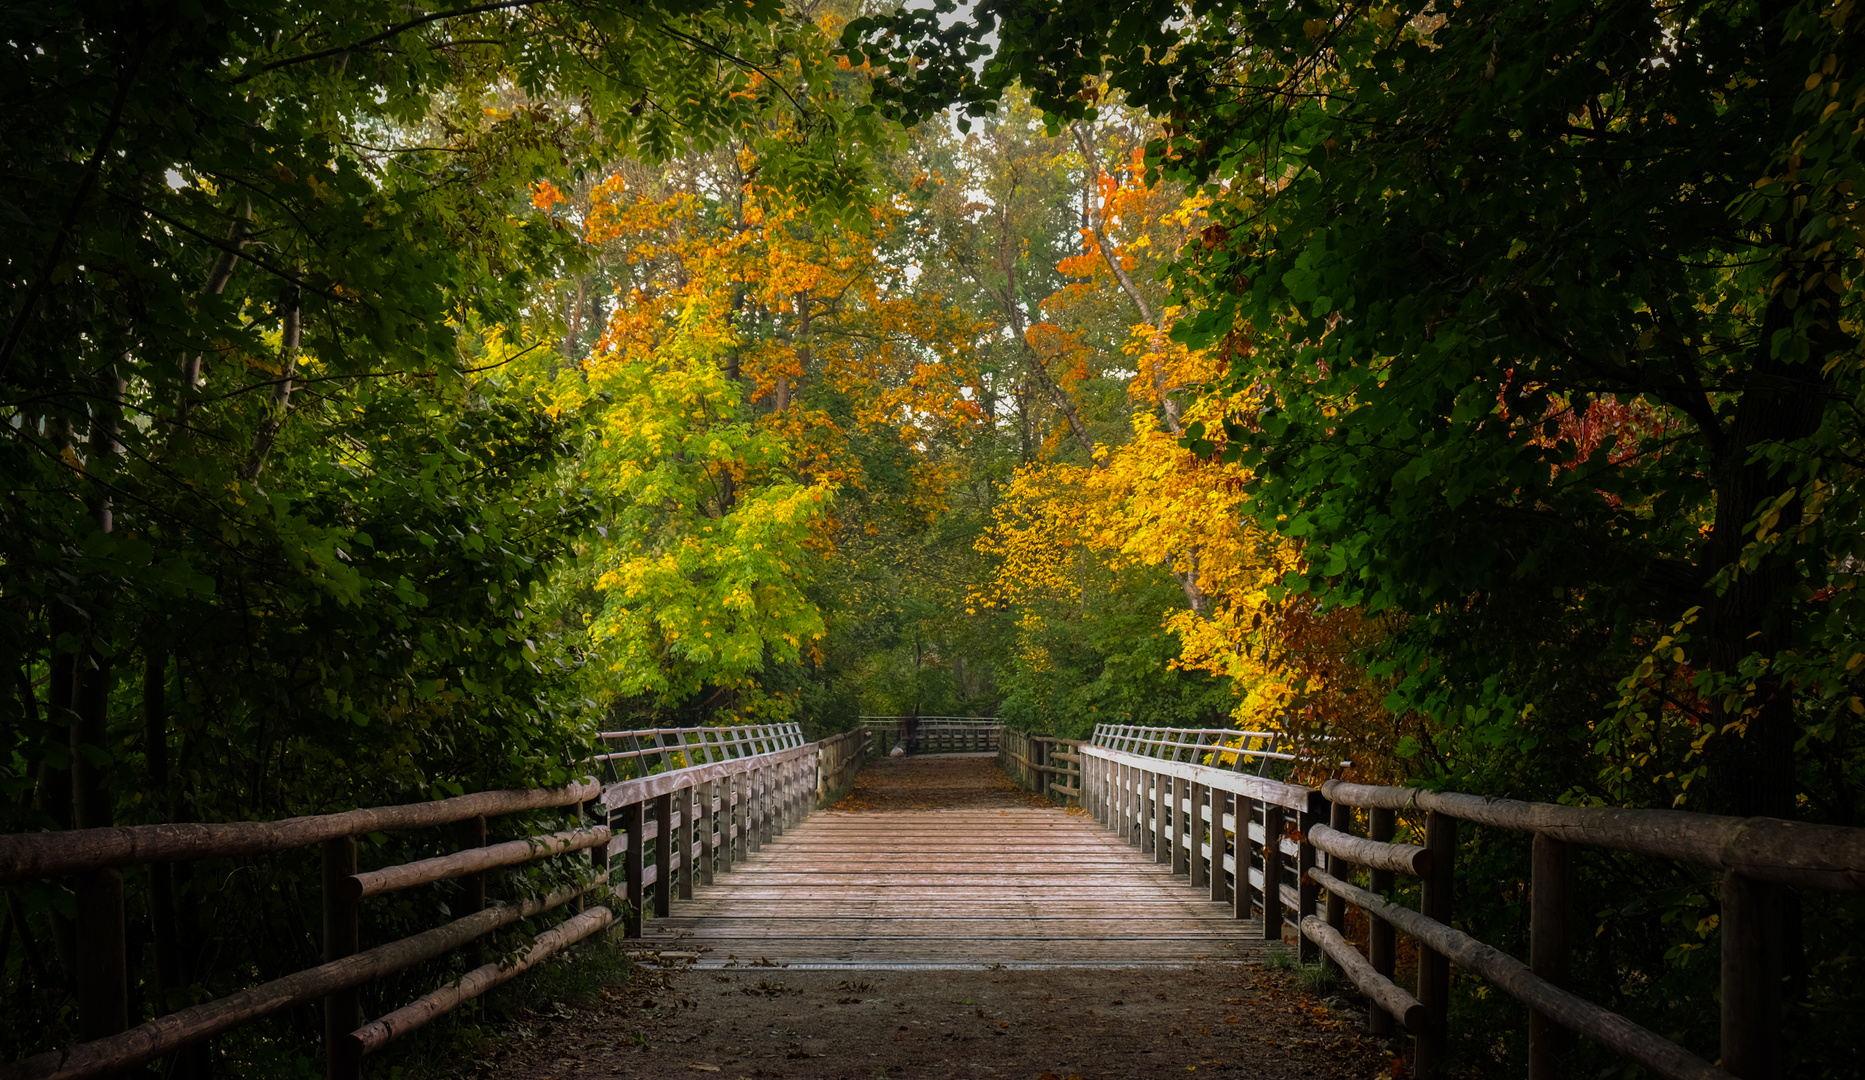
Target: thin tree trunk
281, 392
217, 279
1097, 225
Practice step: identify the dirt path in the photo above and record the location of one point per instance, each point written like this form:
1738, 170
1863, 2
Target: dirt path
1226, 1019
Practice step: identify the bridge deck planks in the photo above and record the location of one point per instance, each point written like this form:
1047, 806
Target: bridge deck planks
1021, 887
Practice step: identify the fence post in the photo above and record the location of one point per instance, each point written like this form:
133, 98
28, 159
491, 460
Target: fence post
632, 870
732, 834
342, 934
1340, 818
707, 792
689, 806
754, 810
102, 966
1315, 813
1181, 828
779, 780
1237, 889
663, 855
1434, 968
1547, 946
1381, 946
1752, 971
1162, 818
471, 833
1195, 868
1272, 868
1039, 758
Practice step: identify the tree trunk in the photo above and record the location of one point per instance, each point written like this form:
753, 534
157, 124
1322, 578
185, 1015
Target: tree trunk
281, 391
91, 803
217, 279
1752, 767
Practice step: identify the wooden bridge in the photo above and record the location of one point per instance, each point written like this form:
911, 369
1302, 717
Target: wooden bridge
1173, 852
943, 874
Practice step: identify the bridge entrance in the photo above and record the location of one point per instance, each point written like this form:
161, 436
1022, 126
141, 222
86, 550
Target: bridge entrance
940, 862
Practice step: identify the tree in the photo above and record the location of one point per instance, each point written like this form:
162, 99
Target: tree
1451, 233
280, 523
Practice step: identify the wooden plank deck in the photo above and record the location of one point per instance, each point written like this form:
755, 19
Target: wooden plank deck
960, 886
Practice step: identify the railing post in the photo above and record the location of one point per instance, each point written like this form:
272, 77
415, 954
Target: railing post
1340, 818
102, 966
1547, 947
1162, 818
1751, 977
1117, 806
663, 855
632, 870
1238, 889
1434, 968
737, 843
1195, 841
1039, 761
1272, 869
471, 833
703, 824
1181, 827
1221, 845
780, 799
748, 809
342, 937
1315, 813
1381, 945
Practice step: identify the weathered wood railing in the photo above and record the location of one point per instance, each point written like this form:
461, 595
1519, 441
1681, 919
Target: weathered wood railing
1277, 848
934, 734
1042, 763
673, 820
638, 753
838, 759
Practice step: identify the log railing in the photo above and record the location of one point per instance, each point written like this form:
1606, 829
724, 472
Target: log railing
1291, 853
1042, 763
686, 813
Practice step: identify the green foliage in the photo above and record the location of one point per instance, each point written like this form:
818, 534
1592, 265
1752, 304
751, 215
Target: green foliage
1555, 308
280, 528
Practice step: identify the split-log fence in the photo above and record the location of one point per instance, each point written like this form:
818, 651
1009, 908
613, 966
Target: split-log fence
677, 805
1278, 848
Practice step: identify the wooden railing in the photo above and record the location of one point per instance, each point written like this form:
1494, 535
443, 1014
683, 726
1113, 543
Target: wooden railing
1042, 763
934, 734
1278, 848
638, 753
838, 759
672, 821
1212, 746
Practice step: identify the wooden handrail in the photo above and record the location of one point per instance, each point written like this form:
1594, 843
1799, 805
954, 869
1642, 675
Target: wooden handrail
1827, 857
1233, 831
177, 1029
761, 779
24, 856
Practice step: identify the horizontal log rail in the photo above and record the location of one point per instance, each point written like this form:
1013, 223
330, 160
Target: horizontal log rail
25, 856
470, 861
177, 1029
698, 800
1289, 852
